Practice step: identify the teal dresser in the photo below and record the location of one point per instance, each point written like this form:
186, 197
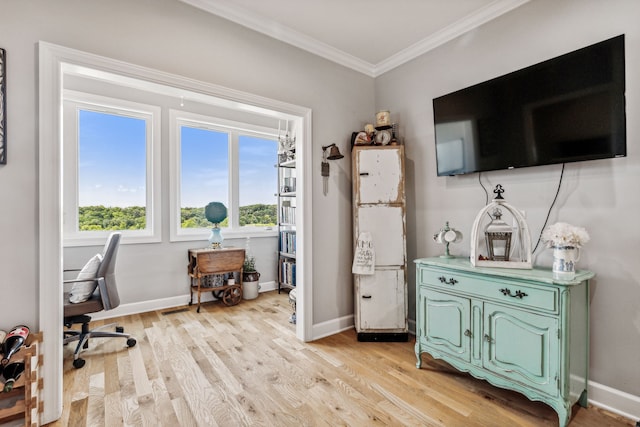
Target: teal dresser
518, 329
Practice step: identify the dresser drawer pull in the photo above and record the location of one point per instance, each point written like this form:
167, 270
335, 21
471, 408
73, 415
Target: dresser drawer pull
467, 333
488, 339
366, 296
451, 281
518, 294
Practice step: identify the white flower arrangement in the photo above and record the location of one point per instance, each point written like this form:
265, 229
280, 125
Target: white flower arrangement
562, 234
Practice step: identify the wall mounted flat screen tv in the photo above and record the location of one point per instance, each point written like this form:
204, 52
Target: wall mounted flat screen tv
567, 109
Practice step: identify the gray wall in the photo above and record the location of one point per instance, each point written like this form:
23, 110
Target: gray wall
173, 37
170, 36
602, 195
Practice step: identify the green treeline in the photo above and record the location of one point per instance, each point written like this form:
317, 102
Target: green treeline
133, 218
261, 215
112, 218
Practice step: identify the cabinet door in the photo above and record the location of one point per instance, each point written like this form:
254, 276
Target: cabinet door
386, 225
379, 175
381, 300
522, 346
444, 324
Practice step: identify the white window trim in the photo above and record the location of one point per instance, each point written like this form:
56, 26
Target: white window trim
151, 115
179, 118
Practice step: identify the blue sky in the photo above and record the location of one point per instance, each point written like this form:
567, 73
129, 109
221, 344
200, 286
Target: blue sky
112, 159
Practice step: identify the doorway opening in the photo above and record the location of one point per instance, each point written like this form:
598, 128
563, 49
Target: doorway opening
58, 65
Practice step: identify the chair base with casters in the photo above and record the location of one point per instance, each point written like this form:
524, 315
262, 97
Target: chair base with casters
85, 333
103, 296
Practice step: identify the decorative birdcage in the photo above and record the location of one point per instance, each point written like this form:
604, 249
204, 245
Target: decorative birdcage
495, 243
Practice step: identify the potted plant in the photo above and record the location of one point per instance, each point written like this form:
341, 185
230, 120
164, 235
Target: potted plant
250, 278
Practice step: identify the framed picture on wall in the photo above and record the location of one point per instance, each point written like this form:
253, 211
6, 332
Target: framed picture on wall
3, 108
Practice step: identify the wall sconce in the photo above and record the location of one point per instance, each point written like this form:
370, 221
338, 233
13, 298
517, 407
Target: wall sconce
334, 154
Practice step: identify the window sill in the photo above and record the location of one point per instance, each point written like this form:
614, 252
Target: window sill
98, 239
243, 233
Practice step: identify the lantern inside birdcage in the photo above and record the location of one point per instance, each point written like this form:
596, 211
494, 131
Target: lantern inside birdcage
495, 243
497, 236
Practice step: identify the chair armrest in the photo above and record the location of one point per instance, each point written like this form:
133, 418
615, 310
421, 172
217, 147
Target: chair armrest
79, 280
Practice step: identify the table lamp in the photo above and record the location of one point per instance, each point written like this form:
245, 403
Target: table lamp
215, 212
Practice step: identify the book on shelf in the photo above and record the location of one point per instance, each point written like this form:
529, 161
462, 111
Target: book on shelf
288, 214
288, 272
288, 242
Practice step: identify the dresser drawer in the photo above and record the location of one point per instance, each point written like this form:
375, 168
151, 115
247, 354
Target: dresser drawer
510, 291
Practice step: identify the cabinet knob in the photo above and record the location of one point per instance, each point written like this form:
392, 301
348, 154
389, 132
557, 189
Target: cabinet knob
467, 333
487, 338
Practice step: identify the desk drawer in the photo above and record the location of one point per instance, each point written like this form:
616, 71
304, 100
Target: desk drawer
518, 293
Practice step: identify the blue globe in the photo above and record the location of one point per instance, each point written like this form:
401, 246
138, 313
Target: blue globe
215, 212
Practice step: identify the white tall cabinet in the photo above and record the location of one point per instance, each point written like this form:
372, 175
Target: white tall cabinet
379, 209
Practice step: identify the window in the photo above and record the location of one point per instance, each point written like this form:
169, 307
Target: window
204, 166
258, 181
222, 161
109, 164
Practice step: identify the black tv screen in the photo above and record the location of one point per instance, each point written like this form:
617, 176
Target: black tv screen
567, 109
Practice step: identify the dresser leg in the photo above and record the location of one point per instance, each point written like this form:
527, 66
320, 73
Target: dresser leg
583, 401
564, 412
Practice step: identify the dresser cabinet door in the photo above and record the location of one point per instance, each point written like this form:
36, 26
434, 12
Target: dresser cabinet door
386, 225
444, 325
380, 299
379, 176
522, 346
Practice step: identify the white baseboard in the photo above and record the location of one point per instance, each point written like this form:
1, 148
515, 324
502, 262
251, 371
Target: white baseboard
268, 286
161, 304
331, 327
614, 400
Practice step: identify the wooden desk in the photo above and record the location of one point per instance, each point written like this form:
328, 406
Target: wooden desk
205, 262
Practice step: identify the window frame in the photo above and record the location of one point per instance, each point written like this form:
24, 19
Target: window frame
235, 129
73, 102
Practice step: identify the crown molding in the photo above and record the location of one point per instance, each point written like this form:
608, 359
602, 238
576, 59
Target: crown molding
287, 35
458, 28
283, 33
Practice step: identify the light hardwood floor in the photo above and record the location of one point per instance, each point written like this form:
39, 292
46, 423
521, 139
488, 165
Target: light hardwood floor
242, 365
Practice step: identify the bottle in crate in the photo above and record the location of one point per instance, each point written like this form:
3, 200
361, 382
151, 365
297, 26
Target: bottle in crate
13, 342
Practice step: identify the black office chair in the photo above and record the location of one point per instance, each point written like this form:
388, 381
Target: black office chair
104, 298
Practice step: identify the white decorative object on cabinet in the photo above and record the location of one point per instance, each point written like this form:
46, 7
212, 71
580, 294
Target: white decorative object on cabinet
379, 209
514, 249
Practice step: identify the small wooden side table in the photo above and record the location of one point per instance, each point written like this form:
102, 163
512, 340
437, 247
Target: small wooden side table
205, 262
